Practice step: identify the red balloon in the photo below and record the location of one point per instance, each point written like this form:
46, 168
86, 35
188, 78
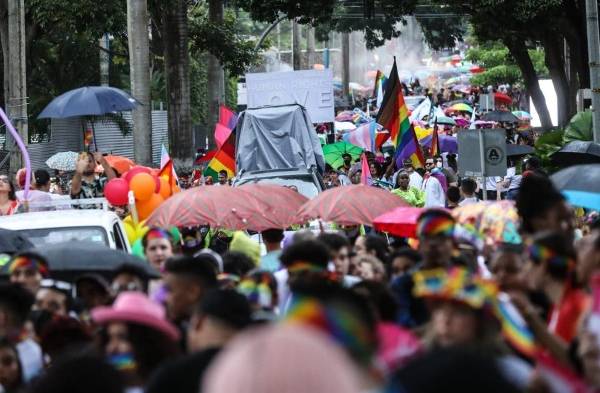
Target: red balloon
134, 171
116, 192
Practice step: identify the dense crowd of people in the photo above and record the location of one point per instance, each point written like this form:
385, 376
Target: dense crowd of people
358, 310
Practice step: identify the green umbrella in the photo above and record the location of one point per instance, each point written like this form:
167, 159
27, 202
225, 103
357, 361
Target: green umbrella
333, 153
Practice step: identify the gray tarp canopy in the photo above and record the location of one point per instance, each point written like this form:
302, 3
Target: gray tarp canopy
277, 137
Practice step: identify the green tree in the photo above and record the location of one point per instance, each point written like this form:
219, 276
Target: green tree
500, 66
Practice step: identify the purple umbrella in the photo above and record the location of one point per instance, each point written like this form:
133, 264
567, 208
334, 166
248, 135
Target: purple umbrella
463, 123
448, 144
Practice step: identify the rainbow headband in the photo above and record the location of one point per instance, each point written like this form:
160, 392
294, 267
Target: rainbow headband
302, 267
432, 224
157, 233
29, 263
337, 322
456, 284
543, 254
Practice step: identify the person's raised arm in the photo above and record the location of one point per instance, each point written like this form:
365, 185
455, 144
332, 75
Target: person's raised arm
76, 181
108, 170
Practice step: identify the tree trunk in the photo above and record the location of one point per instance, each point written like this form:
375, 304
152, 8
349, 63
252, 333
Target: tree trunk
4, 43
296, 50
177, 71
17, 99
139, 69
310, 47
556, 66
216, 74
519, 52
345, 66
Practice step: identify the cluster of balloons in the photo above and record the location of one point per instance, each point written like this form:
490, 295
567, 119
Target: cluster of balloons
149, 190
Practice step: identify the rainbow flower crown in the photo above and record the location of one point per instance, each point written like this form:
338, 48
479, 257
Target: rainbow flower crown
25, 261
462, 286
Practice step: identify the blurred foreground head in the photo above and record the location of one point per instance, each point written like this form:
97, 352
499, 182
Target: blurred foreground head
260, 361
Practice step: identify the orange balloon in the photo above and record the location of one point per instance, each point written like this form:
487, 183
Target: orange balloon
165, 188
143, 186
146, 208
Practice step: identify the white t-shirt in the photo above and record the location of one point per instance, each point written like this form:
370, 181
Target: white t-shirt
30, 355
468, 201
515, 180
434, 193
491, 183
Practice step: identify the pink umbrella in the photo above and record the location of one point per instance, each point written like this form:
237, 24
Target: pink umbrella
350, 205
402, 221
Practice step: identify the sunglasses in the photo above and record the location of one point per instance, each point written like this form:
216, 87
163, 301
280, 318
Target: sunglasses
429, 163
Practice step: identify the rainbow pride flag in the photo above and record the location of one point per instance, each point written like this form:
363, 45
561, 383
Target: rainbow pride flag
224, 158
393, 116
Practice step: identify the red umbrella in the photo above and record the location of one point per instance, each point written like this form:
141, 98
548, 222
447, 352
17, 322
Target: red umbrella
401, 221
283, 204
350, 205
217, 206
502, 98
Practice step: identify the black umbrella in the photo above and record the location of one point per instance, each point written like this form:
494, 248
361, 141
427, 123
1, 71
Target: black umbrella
514, 150
580, 184
69, 260
12, 242
500, 117
577, 152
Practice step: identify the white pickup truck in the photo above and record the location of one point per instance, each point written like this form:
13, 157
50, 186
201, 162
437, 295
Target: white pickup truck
59, 226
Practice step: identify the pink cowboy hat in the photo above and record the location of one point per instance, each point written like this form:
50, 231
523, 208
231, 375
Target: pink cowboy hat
137, 308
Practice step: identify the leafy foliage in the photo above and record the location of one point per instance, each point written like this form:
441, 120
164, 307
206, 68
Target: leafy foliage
235, 51
579, 128
500, 66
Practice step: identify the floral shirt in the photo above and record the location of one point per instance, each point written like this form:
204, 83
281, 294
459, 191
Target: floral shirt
94, 189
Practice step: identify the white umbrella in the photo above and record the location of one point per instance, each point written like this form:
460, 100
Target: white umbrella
343, 126
63, 161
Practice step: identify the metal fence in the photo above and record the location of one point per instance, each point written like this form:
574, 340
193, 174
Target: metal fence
67, 135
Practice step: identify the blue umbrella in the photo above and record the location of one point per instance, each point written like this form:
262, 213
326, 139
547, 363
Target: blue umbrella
580, 184
88, 101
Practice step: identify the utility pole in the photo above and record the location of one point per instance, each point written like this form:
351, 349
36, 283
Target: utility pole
216, 74
139, 69
104, 43
591, 11
310, 47
296, 51
345, 66
17, 96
